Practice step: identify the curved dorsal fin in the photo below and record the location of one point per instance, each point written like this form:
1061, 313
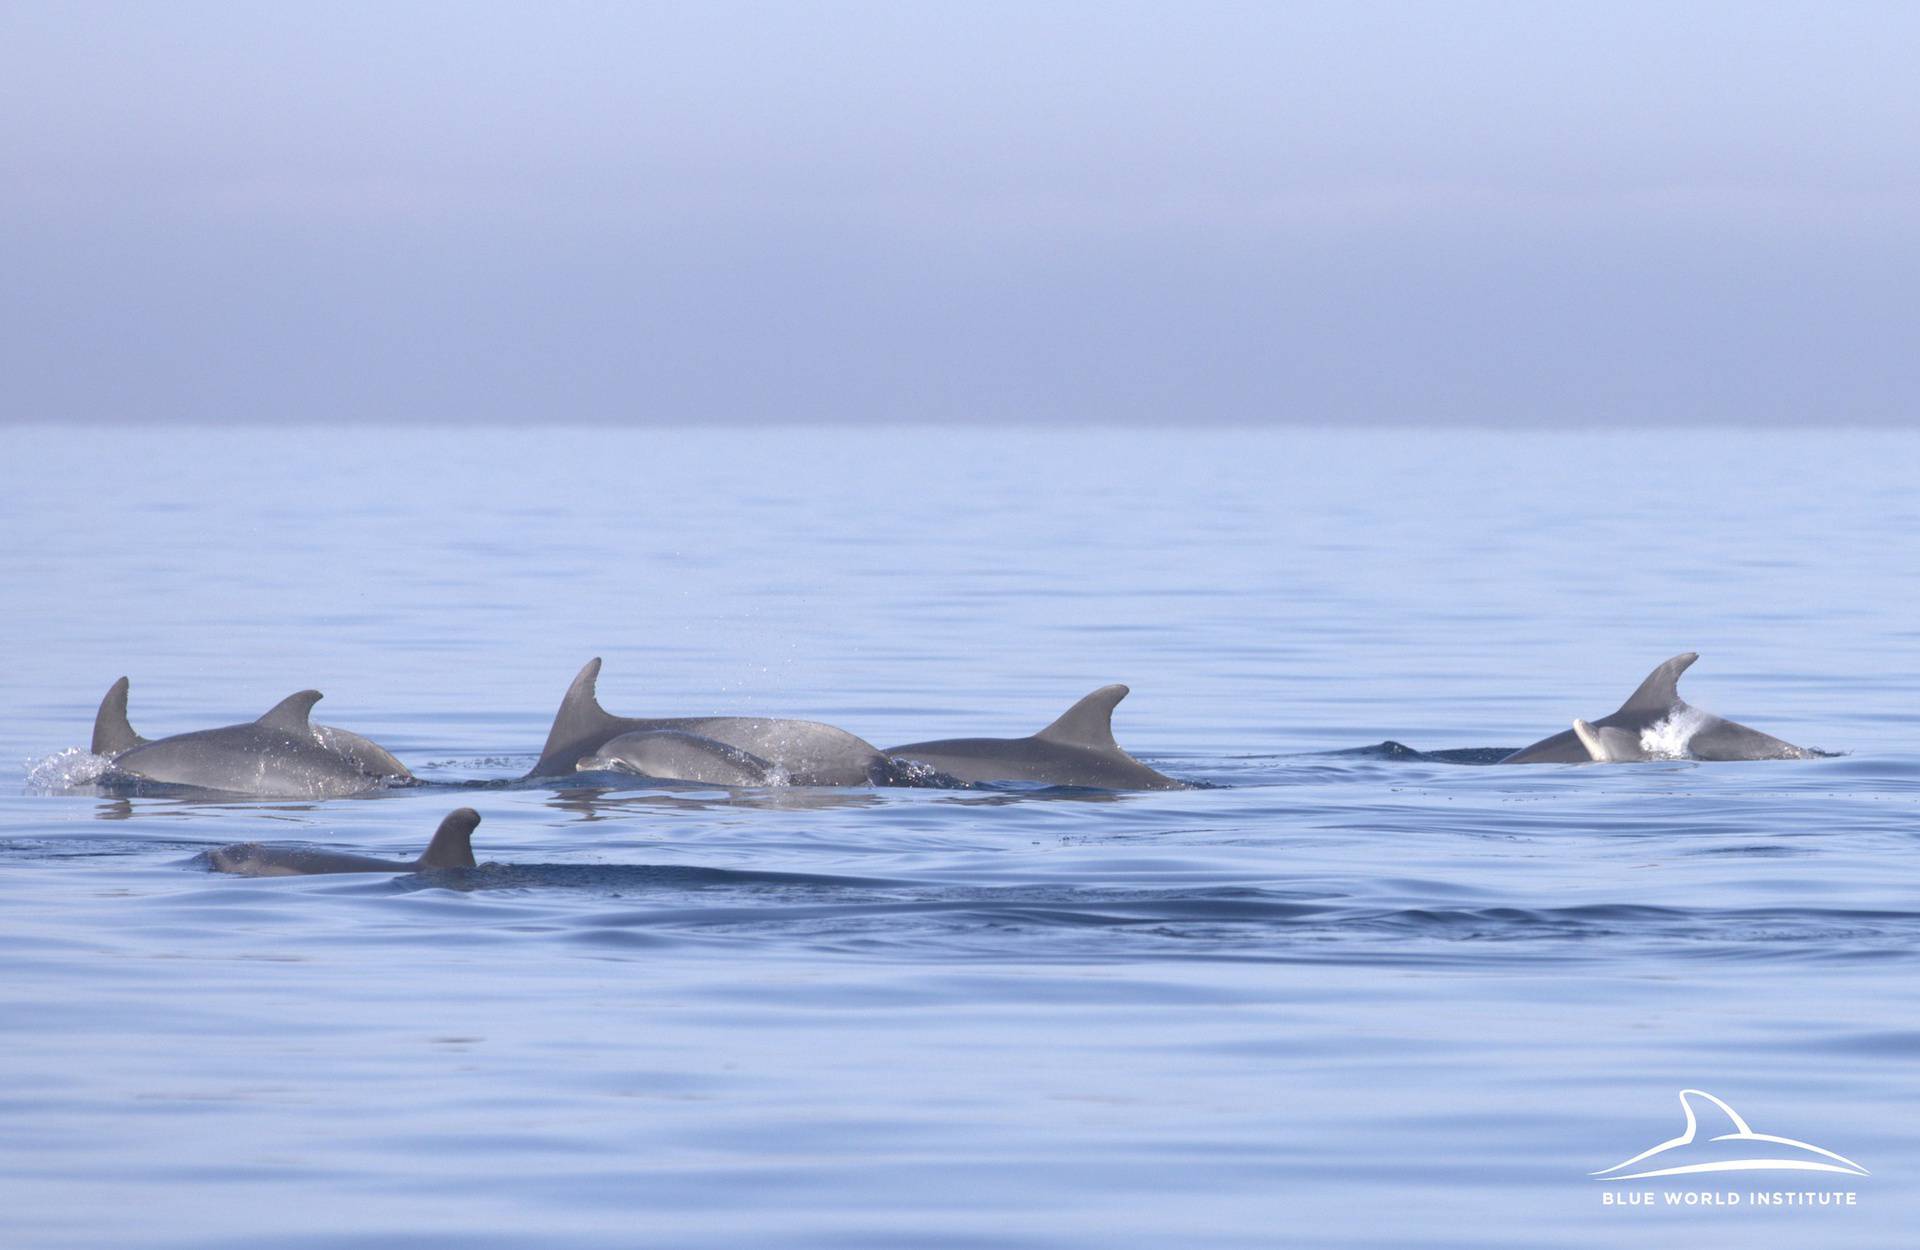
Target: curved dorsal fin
111, 732
290, 714
1711, 1118
1088, 723
580, 712
1661, 689
452, 845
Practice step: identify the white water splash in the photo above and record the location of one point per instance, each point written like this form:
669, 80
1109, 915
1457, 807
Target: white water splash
1667, 739
66, 770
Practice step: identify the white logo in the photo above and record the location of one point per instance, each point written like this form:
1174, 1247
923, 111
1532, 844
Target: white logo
1761, 1152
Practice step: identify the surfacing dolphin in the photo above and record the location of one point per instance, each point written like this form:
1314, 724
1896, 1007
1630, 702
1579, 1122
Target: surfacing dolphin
1655, 723
113, 735
281, 755
452, 847
1076, 750
808, 753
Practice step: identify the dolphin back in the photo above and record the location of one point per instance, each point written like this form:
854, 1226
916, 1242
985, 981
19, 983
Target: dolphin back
677, 755
367, 755
278, 755
452, 847
1656, 723
1077, 749
255, 859
1727, 740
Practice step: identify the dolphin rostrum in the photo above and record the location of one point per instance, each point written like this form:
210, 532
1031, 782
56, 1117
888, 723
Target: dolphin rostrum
1656, 723
452, 847
807, 752
676, 755
1076, 750
281, 755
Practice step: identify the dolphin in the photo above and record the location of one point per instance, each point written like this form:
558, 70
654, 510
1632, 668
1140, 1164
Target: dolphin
676, 755
452, 847
113, 735
1656, 723
281, 755
1076, 750
808, 752
1727, 1144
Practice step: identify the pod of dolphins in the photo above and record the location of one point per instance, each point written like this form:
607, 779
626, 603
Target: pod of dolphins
284, 754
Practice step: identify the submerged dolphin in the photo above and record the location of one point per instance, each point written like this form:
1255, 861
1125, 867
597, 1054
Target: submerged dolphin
1656, 723
1076, 750
282, 754
676, 755
807, 752
452, 847
1725, 1143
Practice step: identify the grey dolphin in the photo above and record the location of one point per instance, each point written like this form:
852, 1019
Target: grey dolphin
452, 847
281, 755
808, 752
1076, 750
113, 735
1656, 723
676, 755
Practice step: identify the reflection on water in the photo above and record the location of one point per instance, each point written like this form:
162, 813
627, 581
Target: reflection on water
594, 802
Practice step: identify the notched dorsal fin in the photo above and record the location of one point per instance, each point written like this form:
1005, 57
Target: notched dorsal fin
1088, 723
111, 732
290, 714
580, 712
452, 845
1661, 689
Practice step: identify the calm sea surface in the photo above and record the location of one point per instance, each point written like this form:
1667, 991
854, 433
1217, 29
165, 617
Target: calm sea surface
1347, 996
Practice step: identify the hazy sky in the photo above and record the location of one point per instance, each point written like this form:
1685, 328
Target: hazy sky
1560, 213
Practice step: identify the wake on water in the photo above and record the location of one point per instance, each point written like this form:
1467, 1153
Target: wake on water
66, 771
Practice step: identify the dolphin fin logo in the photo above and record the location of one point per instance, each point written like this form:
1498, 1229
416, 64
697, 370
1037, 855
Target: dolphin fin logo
1769, 1153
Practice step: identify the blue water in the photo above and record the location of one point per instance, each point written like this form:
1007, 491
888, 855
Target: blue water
1344, 997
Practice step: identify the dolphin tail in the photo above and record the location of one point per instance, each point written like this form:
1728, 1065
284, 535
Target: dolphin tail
452, 845
1661, 690
580, 715
1088, 723
111, 732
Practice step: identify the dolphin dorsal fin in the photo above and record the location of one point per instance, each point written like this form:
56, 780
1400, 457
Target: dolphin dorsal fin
580, 713
290, 714
1088, 723
1661, 689
1709, 1118
111, 732
452, 845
